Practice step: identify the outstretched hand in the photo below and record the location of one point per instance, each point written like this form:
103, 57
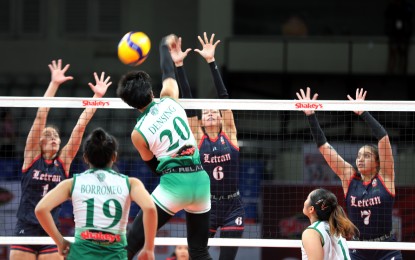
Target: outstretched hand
175, 48
101, 85
360, 96
307, 96
57, 73
208, 51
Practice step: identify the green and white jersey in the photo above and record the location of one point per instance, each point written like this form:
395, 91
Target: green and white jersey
101, 204
335, 248
165, 128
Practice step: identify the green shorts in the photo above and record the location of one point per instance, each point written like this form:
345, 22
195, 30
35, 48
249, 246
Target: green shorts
91, 251
188, 191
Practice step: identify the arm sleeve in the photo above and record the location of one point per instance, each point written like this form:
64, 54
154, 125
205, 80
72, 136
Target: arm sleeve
185, 89
377, 128
316, 131
183, 83
217, 79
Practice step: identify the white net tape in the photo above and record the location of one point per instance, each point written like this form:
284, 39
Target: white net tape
234, 104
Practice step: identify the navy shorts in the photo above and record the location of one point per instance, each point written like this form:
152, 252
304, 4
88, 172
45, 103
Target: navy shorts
228, 215
32, 230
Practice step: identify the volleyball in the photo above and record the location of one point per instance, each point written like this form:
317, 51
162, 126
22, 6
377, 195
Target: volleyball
134, 47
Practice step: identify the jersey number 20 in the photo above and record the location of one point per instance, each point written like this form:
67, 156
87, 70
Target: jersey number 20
178, 129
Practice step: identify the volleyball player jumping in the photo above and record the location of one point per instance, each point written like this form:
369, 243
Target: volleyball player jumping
216, 136
165, 142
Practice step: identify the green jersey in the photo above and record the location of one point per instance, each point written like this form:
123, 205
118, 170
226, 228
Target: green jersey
165, 129
101, 203
183, 184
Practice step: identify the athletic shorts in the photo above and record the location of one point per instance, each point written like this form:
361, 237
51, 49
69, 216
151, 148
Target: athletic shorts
91, 251
188, 191
228, 214
32, 230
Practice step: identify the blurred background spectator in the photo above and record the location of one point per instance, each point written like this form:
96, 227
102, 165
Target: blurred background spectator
398, 27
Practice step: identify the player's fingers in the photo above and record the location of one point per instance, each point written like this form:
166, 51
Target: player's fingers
216, 43
96, 77
205, 36
308, 92
66, 68
200, 40
211, 38
187, 51
302, 93
102, 76
107, 79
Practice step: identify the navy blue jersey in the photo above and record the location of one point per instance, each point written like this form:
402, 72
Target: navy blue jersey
369, 207
39, 178
220, 159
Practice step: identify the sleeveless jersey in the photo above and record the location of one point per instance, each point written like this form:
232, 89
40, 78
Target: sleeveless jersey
165, 128
369, 207
166, 131
101, 204
335, 248
220, 159
39, 178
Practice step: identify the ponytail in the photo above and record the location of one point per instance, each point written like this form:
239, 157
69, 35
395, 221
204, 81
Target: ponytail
340, 224
327, 209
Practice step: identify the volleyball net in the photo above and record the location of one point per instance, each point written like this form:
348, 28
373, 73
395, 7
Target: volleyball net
279, 162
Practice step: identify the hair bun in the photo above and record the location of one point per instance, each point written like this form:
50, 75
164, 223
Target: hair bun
99, 135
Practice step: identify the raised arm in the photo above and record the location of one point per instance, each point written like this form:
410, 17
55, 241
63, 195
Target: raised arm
208, 53
178, 57
32, 148
386, 160
71, 148
342, 168
170, 87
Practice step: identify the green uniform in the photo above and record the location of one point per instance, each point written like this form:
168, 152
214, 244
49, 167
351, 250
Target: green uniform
101, 204
183, 184
334, 247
